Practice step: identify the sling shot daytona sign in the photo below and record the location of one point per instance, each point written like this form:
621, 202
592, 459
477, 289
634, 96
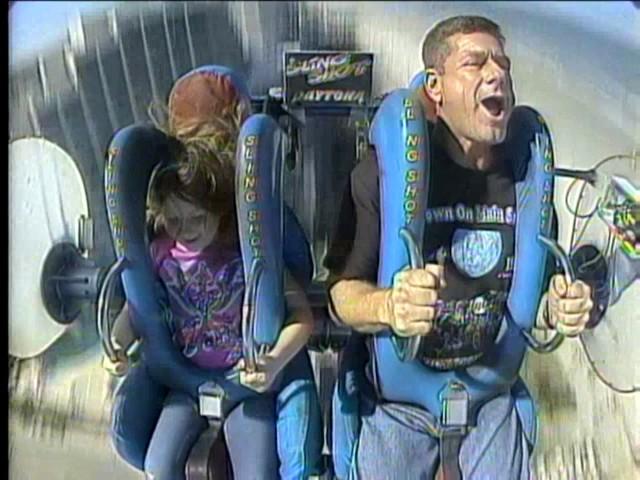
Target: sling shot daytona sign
328, 78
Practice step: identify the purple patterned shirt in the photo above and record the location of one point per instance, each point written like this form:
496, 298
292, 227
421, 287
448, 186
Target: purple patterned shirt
205, 291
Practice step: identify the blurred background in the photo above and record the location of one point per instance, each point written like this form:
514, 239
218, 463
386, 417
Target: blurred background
81, 70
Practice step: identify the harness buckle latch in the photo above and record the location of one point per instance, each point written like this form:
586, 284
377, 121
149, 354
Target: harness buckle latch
455, 406
210, 397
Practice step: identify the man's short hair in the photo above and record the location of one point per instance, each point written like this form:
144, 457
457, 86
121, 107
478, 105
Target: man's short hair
436, 47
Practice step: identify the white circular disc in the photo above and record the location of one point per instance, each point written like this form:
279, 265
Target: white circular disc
46, 199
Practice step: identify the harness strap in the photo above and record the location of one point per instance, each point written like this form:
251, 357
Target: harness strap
450, 443
454, 427
208, 456
450, 430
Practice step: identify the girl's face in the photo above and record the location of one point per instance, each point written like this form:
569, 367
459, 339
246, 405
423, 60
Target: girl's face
188, 224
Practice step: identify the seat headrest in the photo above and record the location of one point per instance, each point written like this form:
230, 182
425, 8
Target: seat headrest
141, 140
203, 95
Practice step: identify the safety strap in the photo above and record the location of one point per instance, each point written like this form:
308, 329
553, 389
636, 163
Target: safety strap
454, 427
450, 443
450, 430
450, 436
208, 455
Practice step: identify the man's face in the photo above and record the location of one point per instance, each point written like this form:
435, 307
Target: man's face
477, 97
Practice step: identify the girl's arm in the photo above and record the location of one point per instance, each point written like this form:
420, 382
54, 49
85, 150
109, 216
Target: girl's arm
297, 329
298, 326
122, 337
122, 334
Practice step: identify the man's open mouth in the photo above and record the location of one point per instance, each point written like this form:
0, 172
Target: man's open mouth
494, 106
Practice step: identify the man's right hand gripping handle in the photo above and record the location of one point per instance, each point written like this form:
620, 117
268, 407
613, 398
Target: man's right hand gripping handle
408, 308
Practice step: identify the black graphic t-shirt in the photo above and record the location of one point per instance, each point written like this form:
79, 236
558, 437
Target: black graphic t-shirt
469, 227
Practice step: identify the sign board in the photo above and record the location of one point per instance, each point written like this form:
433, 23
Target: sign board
327, 79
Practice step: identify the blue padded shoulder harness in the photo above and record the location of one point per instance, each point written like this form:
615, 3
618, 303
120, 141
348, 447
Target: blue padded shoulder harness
259, 207
497, 370
409, 381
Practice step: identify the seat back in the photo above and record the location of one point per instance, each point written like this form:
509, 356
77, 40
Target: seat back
529, 144
134, 153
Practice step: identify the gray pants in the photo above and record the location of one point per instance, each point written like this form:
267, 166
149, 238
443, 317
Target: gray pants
394, 444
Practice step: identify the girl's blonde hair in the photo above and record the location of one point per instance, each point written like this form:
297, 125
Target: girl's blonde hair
218, 137
206, 107
204, 114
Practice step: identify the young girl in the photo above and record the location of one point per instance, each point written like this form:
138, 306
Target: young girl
197, 258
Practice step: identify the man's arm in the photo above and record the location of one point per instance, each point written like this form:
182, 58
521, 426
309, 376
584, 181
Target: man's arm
360, 305
565, 307
354, 298
407, 307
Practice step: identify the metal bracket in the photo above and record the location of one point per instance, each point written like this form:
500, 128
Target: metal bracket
86, 237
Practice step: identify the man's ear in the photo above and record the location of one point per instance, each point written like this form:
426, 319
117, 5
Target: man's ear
433, 85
